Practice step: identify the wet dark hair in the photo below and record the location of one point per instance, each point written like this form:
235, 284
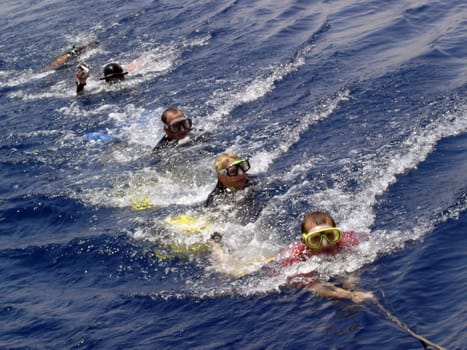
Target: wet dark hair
113, 72
318, 218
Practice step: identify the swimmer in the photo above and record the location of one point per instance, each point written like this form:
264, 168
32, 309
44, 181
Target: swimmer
319, 236
176, 128
113, 73
237, 194
231, 175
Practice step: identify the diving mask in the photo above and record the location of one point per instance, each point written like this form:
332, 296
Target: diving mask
314, 238
177, 124
232, 169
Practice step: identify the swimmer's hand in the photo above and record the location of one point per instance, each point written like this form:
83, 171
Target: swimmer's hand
329, 290
360, 297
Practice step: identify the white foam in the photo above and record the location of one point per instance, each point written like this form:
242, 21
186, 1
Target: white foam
12, 78
225, 101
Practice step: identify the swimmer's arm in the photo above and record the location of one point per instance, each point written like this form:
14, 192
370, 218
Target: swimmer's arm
329, 290
59, 61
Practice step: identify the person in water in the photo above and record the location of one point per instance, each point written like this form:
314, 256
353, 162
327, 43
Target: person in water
231, 176
176, 128
237, 194
320, 236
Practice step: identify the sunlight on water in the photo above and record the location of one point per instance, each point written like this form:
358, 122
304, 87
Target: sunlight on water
137, 125
149, 186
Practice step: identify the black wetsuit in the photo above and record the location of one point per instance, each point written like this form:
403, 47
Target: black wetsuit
219, 189
247, 203
163, 143
80, 88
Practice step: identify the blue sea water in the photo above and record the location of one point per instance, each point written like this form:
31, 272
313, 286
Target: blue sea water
355, 107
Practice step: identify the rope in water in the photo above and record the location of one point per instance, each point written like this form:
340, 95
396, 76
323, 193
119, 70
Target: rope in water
405, 327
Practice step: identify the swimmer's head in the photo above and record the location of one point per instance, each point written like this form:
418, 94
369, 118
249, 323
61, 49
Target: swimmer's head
319, 232
113, 72
176, 125
231, 170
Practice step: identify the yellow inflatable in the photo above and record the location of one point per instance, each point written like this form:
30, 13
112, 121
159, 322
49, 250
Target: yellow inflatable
188, 236
140, 204
188, 224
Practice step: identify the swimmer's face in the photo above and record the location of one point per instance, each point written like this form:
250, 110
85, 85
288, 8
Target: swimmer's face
325, 247
177, 126
236, 182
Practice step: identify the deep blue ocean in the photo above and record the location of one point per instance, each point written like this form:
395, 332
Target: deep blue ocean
355, 107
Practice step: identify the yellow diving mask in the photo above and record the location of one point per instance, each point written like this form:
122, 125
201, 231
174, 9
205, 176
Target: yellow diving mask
314, 238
